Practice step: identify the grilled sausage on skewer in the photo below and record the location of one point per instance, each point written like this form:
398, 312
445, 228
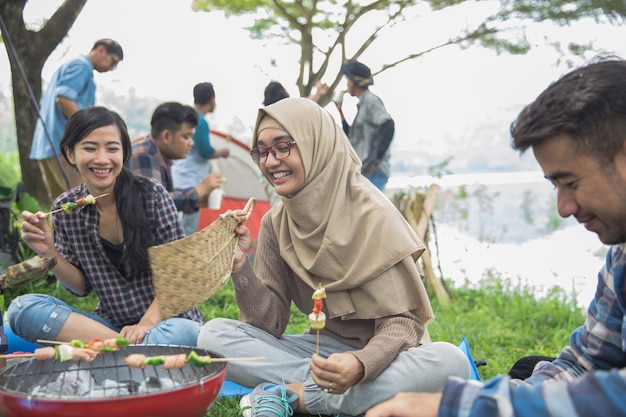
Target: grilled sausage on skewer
136, 360
45, 353
175, 361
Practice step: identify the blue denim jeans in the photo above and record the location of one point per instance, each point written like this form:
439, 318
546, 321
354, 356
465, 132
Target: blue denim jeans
378, 178
37, 316
190, 222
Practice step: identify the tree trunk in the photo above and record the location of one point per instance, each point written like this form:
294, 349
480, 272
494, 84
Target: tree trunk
29, 53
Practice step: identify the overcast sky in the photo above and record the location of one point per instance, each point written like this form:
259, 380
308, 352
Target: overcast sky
436, 100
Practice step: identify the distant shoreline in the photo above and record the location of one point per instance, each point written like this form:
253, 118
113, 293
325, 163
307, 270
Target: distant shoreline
403, 182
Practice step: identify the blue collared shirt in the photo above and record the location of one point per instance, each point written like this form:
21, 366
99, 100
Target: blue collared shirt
73, 80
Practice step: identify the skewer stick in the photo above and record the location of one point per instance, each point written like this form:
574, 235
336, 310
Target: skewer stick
61, 209
32, 355
252, 358
317, 341
17, 355
52, 342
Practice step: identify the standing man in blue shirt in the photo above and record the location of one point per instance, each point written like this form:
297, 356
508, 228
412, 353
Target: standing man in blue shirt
577, 131
72, 88
372, 129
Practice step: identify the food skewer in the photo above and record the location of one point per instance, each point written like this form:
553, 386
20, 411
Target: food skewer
68, 207
317, 318
97, 345
65, 351
139, 360
61, 353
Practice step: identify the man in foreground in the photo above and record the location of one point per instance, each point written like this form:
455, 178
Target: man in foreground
577, 131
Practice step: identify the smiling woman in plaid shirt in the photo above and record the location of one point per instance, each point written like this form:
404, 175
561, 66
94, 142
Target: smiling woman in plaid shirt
103, 246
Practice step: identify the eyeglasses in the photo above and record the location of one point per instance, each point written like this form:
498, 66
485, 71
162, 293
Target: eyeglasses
279, 150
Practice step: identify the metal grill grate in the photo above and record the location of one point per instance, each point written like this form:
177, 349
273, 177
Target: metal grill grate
80, 380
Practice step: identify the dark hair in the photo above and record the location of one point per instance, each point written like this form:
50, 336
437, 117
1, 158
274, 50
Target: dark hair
359, 73
130, 190
274, 92
587, 104
111, 46
203, 93
171, 116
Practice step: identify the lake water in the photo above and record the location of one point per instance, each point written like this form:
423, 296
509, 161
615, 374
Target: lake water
506, 224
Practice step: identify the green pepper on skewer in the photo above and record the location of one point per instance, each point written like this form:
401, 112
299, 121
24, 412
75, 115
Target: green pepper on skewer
108, 349
69, 207
77, 343
197, 360
154, 360
121, 342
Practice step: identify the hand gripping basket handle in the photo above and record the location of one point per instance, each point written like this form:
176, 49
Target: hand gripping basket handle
248, 209
190, 270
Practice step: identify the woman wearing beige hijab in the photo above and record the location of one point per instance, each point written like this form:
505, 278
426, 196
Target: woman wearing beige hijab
333, 228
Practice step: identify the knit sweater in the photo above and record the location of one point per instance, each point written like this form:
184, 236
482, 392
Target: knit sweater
264, 295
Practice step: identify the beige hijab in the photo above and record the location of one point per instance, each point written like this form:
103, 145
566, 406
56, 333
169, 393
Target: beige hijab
339, 229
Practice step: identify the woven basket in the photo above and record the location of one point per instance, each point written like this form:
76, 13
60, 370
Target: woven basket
30, 270
188, 271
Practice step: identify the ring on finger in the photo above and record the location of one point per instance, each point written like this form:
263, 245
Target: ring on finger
330, 387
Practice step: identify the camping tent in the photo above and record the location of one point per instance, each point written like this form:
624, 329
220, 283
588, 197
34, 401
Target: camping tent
244, 182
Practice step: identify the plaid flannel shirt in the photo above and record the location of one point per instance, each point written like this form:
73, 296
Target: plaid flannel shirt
146, 160
364, 132
123, 300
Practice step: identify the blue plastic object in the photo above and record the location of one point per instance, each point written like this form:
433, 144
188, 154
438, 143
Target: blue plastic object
16, 343
465, 347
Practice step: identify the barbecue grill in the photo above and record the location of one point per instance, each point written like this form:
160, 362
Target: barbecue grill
109, 387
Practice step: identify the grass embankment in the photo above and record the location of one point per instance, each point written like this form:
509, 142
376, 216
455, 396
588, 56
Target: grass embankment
502, 321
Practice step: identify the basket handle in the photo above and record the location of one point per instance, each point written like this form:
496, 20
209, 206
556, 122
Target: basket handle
249, 208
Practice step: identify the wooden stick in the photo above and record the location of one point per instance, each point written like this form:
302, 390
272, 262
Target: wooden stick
17, 355
253, 358
31, 355
317, 341
52, 342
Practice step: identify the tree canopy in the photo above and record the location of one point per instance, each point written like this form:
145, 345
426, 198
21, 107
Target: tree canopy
325, 30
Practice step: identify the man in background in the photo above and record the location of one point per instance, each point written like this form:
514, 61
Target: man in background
72, 88
577, 131
372, 129
190, 171
171, 136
